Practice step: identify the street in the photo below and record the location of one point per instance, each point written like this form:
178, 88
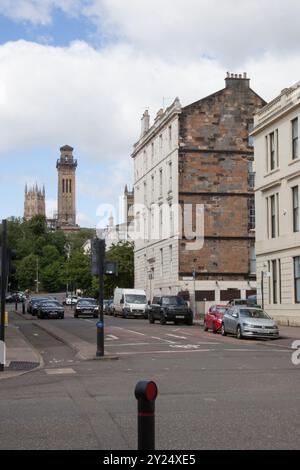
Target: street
214, 392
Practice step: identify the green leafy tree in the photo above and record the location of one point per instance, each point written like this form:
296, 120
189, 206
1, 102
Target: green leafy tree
123, 254
26, 272
79, 270
52, 277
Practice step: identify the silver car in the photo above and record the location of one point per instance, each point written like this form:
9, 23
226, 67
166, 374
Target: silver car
249, 322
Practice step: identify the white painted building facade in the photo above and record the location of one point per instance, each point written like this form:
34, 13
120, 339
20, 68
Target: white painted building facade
155, 190
277, 164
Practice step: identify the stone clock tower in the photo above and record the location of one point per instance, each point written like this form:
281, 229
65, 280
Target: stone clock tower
66, 168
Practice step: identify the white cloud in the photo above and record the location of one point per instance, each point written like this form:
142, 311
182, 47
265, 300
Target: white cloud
229, 31
38, 11
94, 99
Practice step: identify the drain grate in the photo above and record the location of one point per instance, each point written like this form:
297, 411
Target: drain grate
22, 365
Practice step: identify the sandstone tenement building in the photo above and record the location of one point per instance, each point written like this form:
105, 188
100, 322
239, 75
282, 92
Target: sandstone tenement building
199, 154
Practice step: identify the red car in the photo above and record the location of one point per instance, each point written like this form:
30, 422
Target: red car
213, 318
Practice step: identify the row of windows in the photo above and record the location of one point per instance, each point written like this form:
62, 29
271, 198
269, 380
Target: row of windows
160, 182
272, 146
66, 185
275, 288
272, 202
154, 151
163, 254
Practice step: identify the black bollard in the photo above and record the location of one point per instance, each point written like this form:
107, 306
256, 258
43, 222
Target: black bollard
16, 306
23, 308
146, 393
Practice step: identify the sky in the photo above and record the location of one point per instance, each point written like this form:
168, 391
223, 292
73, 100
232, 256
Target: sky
82, 72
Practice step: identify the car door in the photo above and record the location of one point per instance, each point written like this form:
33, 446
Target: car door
234, 320
229, 324
155, 308
210, 317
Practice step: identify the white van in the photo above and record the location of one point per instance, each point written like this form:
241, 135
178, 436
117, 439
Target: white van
130, 303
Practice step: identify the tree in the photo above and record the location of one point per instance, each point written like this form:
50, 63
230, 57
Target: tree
26, 272
123, 254
79, 270
52, 277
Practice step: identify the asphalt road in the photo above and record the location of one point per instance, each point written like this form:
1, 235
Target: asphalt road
214, 392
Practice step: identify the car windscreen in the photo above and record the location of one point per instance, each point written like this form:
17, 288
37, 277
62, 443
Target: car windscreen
50, 304
87, 302
135, 299
252, 313
173, 301
33, 301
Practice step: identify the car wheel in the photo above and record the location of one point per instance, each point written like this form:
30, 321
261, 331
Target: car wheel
205, 327
223, 331
75, 315
189, 322
239, 334
62, 317
162, 319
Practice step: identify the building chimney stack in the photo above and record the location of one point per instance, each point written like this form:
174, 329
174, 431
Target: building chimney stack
145, 123
234, 80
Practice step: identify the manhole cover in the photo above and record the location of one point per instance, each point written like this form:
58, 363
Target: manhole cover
22, 365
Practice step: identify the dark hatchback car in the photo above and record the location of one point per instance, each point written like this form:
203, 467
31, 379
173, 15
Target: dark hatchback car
33, 304
170, 308
50, 309
86, 307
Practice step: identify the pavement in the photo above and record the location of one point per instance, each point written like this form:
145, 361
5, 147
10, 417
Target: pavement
21, 357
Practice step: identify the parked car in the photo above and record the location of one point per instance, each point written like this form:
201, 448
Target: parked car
233, 302
130, 303
213, 318
86, 307
33, 304
252, 301
170, 308
250, 322
110, 308
15, 297
71, 300
10, 298
50, 309
106, 304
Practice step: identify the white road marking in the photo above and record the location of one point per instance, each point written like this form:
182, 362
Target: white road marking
162, 339
174, 336
129, 344
35, 334
60, 371
130, 331
180, 331
164, 352
111, 337
135, 332
184, 346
